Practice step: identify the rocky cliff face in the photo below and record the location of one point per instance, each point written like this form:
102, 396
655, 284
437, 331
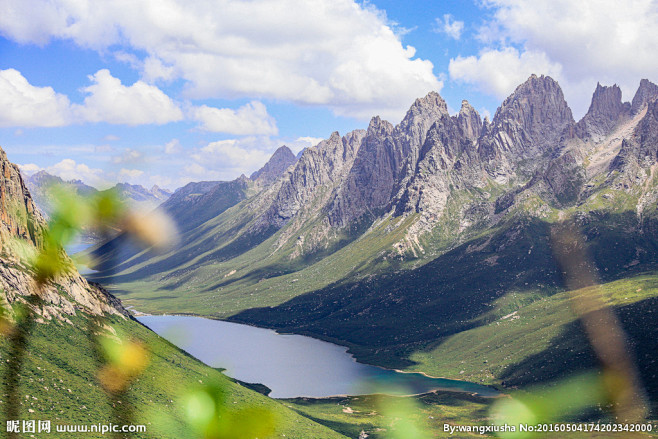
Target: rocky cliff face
646, 93
605, 112
431, 182
416, 166
19, 216
281, 160
528, 125
319, 169
21, 222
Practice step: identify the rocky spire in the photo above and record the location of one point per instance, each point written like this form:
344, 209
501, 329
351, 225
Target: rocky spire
469, 121
646, 92
534, 116
410, 133
605, 112
281, 160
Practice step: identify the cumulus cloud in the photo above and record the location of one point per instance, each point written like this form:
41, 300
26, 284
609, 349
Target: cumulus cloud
69, 169
336, 53
129, 175
498, 72
449, 26
580, 42
110, 101
22, 104
29, 168
129, 155
252, 118
173, 147
236, 154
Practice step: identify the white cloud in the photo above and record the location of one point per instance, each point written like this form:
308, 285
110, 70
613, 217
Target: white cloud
154, 70
250, 119
22, 104
173, 147
129, 175
29, 168
68, 169
303, 142
451, 27
110, 101
337, 53
111, 138
129, 155
589, 40
499, 72
25, 105
233, 153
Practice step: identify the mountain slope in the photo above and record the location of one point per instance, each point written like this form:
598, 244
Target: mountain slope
392, 238
40, 183
281, 160
60, 378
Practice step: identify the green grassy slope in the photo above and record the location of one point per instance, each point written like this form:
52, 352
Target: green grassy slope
374, 414
59, 383
381, 416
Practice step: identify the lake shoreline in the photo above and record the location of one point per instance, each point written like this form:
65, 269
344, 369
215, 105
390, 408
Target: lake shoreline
488, 391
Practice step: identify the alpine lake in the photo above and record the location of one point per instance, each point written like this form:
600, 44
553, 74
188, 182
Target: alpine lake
292, 365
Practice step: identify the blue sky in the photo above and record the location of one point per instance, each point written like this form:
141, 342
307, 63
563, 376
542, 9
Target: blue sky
174, 91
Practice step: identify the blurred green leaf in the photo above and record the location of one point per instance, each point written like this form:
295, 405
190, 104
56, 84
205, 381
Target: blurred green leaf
208, 413
108, 208
50, 261
549, 404
402, 414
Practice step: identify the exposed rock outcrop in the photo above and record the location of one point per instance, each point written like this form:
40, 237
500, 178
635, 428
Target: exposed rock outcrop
605, 112
281, 160
322, 167
646, 92
22, 224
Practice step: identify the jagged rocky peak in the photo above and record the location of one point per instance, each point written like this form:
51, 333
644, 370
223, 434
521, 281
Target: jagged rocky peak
379, 127
469, 121
19, 216
646, 92
538, 108
606, 100
160, 193
325, 164
419, 118
605, 112
281, 160
432, 103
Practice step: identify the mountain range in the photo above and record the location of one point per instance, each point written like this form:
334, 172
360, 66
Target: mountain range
427, 245
55, 366
137, 196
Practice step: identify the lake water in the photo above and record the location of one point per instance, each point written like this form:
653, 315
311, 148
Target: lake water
291, 365
76, 247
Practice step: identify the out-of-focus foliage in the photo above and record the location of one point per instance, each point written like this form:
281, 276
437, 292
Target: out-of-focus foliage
208, 413
125, 360
549, 404
400, 414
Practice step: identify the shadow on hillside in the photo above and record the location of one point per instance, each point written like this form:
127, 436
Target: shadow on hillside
385, 319
175, 259
571, 351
